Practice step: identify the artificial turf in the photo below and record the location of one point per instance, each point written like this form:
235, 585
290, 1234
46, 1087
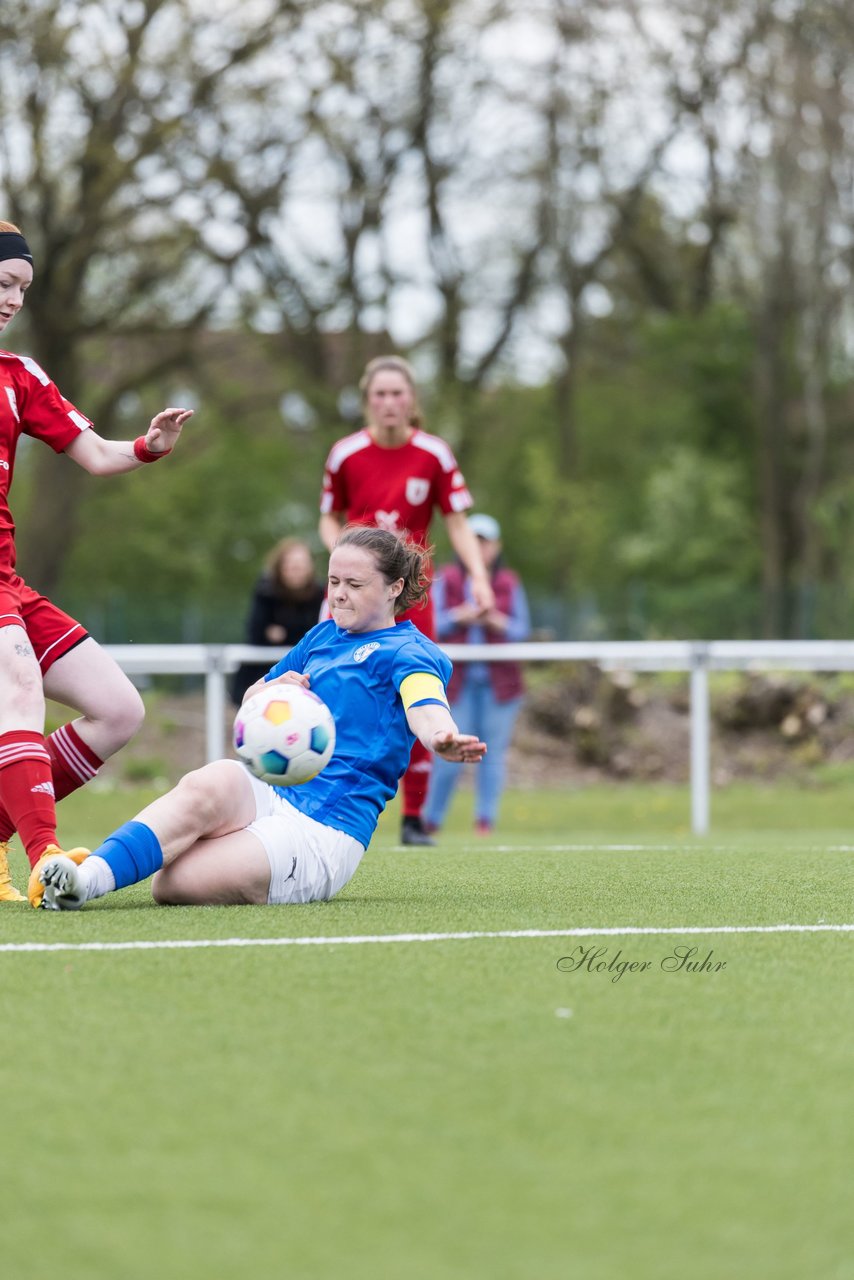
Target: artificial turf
481, 1107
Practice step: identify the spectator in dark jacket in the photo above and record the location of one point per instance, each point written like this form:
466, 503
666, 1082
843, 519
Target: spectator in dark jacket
485, 696
286, 603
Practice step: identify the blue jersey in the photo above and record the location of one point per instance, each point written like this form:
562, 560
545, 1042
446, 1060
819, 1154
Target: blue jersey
365, 678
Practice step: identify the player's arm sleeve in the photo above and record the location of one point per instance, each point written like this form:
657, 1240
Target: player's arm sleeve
46, 414
333, 495
326, 495
452, 491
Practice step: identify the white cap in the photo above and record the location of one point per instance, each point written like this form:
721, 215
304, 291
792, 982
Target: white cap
485, 527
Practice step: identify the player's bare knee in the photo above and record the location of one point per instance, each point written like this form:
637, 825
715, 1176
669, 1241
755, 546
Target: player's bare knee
202, 793
127, 713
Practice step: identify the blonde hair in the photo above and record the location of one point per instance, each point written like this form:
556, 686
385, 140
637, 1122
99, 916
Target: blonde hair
392, 364
10, 226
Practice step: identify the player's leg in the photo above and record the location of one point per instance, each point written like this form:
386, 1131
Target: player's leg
83, 676
212, 802
187, 841
8, 892
77, 672
88, 679
26, 787
416, 779
225, 871
414, 785
303, 861
496, 723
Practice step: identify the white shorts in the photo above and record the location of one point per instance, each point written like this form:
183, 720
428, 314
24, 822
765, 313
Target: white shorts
308, 861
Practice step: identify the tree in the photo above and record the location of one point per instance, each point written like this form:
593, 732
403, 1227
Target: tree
111, 122
517, 193
766, 89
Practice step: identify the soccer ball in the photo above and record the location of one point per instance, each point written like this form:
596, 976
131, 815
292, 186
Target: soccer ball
284, 734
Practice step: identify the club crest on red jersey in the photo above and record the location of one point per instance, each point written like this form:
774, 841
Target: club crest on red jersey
417, 491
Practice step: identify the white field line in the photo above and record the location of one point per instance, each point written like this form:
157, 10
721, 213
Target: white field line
625, 931
699, 847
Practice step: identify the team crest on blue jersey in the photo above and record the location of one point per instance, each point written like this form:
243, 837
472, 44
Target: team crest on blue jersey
365, 651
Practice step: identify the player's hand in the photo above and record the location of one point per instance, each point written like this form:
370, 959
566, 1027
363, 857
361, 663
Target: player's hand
165, 428
496, 621
458, 748
291, 677
465, 614
484, 596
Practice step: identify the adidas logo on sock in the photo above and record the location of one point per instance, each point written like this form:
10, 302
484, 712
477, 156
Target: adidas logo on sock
46, 787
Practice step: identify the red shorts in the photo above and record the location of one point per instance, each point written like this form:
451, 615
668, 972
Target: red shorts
52, 633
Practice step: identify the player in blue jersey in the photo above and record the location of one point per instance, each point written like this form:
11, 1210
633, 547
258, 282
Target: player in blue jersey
221, 835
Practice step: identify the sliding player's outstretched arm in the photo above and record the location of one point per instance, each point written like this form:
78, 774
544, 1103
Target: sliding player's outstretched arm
434, 726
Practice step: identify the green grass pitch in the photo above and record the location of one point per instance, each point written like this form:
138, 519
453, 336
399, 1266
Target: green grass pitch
451, 1108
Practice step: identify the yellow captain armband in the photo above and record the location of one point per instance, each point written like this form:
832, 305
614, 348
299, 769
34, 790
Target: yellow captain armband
421, 687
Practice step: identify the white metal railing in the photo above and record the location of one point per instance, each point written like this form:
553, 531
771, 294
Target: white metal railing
215, 662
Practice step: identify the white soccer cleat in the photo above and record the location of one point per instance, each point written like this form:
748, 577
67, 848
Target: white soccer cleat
64, 889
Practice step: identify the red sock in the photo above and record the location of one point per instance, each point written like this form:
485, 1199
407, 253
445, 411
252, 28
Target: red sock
26, 789
73, 763
415, 781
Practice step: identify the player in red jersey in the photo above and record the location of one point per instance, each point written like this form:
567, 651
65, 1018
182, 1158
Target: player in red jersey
43, 651
394, 475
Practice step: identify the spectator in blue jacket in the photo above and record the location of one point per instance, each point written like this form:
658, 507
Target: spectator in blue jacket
485, 696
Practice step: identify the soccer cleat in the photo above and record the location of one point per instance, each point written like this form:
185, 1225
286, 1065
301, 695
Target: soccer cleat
64, 889
36, 886
8, 892
414, 832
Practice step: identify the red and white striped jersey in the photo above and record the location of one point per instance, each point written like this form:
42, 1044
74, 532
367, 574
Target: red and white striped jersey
395, 489
30, 404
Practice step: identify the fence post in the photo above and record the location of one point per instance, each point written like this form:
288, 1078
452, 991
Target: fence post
215, 704
700, 733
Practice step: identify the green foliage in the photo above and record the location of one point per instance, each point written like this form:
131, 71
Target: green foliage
696, 524
141, 771
659, 498
661, 489
188, 535
653, 531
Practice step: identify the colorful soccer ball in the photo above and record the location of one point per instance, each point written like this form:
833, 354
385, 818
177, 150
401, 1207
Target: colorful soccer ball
284, 734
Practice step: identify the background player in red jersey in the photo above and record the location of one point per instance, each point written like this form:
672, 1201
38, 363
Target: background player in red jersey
43, 651
394, 475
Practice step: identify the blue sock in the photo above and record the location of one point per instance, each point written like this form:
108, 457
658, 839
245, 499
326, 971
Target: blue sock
132, 853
